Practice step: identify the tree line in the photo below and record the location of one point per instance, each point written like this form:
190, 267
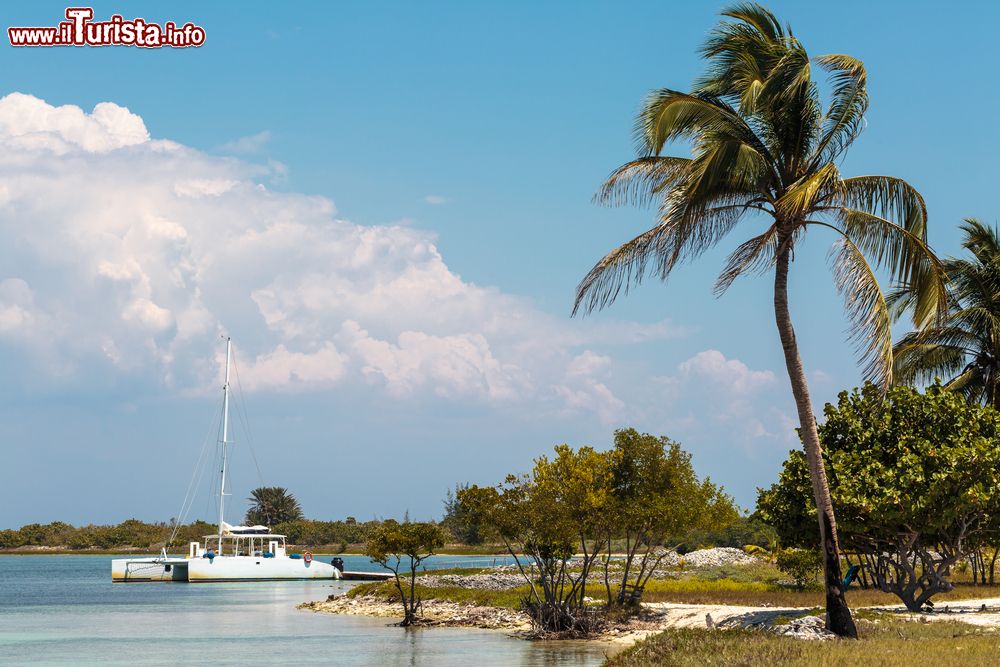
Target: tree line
136, 534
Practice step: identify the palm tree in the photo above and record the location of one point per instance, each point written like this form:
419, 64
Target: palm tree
272, 505
763, 145
965, 347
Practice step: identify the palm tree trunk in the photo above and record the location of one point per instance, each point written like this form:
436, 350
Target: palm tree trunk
838, 615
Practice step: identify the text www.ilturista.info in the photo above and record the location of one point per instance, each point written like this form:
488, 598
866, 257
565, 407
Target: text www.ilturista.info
80, 30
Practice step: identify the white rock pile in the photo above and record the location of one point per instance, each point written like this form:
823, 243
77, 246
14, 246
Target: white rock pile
490, 581
807, 627
715, 557
432, 612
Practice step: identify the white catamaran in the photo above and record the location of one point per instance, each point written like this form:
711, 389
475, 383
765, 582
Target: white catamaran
236, 553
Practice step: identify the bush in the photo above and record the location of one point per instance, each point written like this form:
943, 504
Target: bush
913, 478
802, 565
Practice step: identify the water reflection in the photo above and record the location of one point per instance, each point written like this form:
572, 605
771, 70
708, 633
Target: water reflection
65, 610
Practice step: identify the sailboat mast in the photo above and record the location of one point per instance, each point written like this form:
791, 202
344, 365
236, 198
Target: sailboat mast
225, 439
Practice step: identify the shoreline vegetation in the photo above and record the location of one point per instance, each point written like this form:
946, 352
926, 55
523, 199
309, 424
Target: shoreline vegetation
729, 603
133, 536
325, 550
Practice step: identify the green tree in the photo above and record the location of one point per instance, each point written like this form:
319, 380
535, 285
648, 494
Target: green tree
403, 546
655, 493
916, 481
764, 145
457, 520
543, 519
965, 347
271, 505
558, 521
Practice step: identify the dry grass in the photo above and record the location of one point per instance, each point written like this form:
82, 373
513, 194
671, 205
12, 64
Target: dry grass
749, 585
756, 584
756, 594
885, 642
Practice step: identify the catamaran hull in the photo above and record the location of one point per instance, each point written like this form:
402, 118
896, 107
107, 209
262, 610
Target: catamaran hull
149, 569
245, 568
222, 568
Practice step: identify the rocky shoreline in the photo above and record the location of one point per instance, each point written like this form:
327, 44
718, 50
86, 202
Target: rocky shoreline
654, 618
433, 612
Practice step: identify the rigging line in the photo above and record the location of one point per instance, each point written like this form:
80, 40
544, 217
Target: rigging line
185, 505
212, 498
241, 411
196, 475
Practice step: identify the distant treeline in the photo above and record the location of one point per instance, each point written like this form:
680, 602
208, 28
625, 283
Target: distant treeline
139, 534
305, 532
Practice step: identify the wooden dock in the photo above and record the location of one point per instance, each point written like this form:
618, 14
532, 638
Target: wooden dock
366, 576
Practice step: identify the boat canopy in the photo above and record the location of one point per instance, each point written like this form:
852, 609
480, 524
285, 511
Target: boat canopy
244, 530
233, 536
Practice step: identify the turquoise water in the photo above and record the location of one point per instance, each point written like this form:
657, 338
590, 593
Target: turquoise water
59, 610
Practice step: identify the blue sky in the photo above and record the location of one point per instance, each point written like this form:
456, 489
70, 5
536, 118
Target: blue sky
388, 207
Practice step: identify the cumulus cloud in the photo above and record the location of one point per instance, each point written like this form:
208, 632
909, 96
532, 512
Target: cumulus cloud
283, 369
28, 123
731, 375
740, 400
584, 387
137, 253
204, 187
435, 200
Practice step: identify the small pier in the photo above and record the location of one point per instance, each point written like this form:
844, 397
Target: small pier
366, 576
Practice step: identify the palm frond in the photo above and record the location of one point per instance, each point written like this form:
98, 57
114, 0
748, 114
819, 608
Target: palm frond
844, 118
668, 115
619, 270
981, 240
907, 257
758, 16
801, 197
915, 362
641, 181
683, 233
754, 255
887, 197
871, 330
724, 166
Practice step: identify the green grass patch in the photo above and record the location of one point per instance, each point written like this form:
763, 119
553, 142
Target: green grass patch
510, 599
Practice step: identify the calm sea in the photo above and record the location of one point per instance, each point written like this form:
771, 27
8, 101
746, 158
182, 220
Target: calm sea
65, 610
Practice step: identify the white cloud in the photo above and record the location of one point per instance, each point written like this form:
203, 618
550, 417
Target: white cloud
450, 366
137, 253
28, 123
588, 363
734, 402
294, 370
435, 200
248, 144
730, 375
16, 306
201, 187
594, 397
